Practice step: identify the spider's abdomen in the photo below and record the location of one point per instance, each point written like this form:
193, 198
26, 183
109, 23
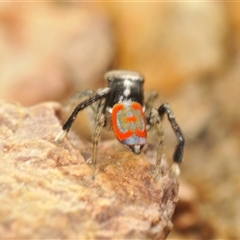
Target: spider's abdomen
129, 125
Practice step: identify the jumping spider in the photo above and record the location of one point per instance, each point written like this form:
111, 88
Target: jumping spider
121, 106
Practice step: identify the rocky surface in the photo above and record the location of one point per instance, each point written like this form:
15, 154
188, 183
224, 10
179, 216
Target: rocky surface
188, 52
47, 190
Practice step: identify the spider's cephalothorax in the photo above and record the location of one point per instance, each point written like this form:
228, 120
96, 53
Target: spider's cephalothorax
121, 106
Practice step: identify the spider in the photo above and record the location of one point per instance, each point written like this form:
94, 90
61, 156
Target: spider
120, 106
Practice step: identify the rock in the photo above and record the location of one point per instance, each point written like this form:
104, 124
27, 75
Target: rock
47, 190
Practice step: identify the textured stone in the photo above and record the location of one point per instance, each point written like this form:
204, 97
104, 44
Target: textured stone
47, 190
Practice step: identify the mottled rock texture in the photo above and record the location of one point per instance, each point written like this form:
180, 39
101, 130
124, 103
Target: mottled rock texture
46, 189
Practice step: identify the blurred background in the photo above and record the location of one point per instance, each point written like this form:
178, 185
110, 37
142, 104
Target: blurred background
188, 52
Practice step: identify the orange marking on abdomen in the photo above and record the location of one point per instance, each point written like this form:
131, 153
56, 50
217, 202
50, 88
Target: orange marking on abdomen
143, 132
121, 123
136, 105
120, 135
131, 119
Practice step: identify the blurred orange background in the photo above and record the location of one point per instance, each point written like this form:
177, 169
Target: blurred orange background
189, 52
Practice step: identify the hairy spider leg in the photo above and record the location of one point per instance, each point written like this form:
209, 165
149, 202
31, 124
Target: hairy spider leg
79, 97
154, 119
165, 108
100, 122
81, 106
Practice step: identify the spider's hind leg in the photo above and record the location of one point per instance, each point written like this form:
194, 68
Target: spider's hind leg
178, 153
73, 102
78, 97
102, 93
